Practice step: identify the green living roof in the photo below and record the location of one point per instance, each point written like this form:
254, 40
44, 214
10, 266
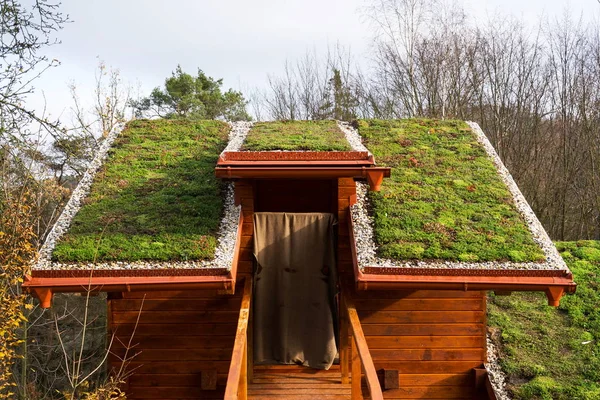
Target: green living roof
445, 199
296, 136
155, 198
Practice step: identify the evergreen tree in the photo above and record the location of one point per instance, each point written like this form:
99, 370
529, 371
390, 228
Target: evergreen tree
199, 97
340, 101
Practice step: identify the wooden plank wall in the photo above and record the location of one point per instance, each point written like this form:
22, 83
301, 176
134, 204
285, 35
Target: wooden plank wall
432, 338
180, 336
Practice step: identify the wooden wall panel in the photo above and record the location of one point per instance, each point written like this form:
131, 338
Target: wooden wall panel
433, 338
180, 336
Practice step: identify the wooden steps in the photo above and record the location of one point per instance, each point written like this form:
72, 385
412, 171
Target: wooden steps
292, 382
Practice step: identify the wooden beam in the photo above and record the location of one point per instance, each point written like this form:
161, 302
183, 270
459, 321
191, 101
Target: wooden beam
304, 171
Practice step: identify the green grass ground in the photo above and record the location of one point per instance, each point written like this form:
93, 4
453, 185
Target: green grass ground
156, 197
296, 135
548, 353
444, 199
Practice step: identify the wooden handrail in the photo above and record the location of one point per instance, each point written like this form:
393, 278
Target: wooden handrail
237, 378
359, 345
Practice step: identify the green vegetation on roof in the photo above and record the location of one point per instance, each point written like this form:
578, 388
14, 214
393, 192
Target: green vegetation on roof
550, 353
296, 135
156, 197
445, 199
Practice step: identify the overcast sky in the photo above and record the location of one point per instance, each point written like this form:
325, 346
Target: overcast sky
240, 41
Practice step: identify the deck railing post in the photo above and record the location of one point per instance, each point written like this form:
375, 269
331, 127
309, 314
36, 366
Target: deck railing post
344, 345
250, 348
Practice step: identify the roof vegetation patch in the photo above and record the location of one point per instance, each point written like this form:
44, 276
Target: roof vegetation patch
296, 136
445, 199
156, 197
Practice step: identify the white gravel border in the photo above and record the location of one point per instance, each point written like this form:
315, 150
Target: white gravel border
228, 228
366, 248
352, 136
237, 135
495, 373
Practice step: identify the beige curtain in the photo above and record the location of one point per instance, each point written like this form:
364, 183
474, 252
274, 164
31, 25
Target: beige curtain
294, 286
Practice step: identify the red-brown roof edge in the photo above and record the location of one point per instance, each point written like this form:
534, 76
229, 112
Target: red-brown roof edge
44, 287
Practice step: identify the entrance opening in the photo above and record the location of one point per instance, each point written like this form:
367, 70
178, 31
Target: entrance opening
294, 317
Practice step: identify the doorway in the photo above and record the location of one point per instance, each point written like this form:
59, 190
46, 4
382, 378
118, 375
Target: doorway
295, 281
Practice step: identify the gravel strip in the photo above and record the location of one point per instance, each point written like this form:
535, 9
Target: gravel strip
228, 228
352, 136
366, 248
495, 373
237, 135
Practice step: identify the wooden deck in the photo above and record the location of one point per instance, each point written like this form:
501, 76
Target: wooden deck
291, 382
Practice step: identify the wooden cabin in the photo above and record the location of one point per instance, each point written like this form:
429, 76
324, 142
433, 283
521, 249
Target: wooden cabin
344, 271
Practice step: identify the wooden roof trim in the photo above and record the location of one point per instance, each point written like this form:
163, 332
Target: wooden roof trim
116, 273
229, 157
44, 288
374, 175
300, 163
554, 287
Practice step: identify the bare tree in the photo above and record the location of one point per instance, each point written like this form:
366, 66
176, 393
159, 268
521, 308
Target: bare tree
315, 88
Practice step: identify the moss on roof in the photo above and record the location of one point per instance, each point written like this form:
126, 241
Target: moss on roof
296, 135
445, 199
156, 197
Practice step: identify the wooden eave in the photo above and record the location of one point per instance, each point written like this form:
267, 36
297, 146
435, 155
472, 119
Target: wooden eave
43, 288
301, 164
555, 283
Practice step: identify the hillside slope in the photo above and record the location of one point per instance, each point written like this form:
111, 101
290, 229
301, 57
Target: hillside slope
551, 353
